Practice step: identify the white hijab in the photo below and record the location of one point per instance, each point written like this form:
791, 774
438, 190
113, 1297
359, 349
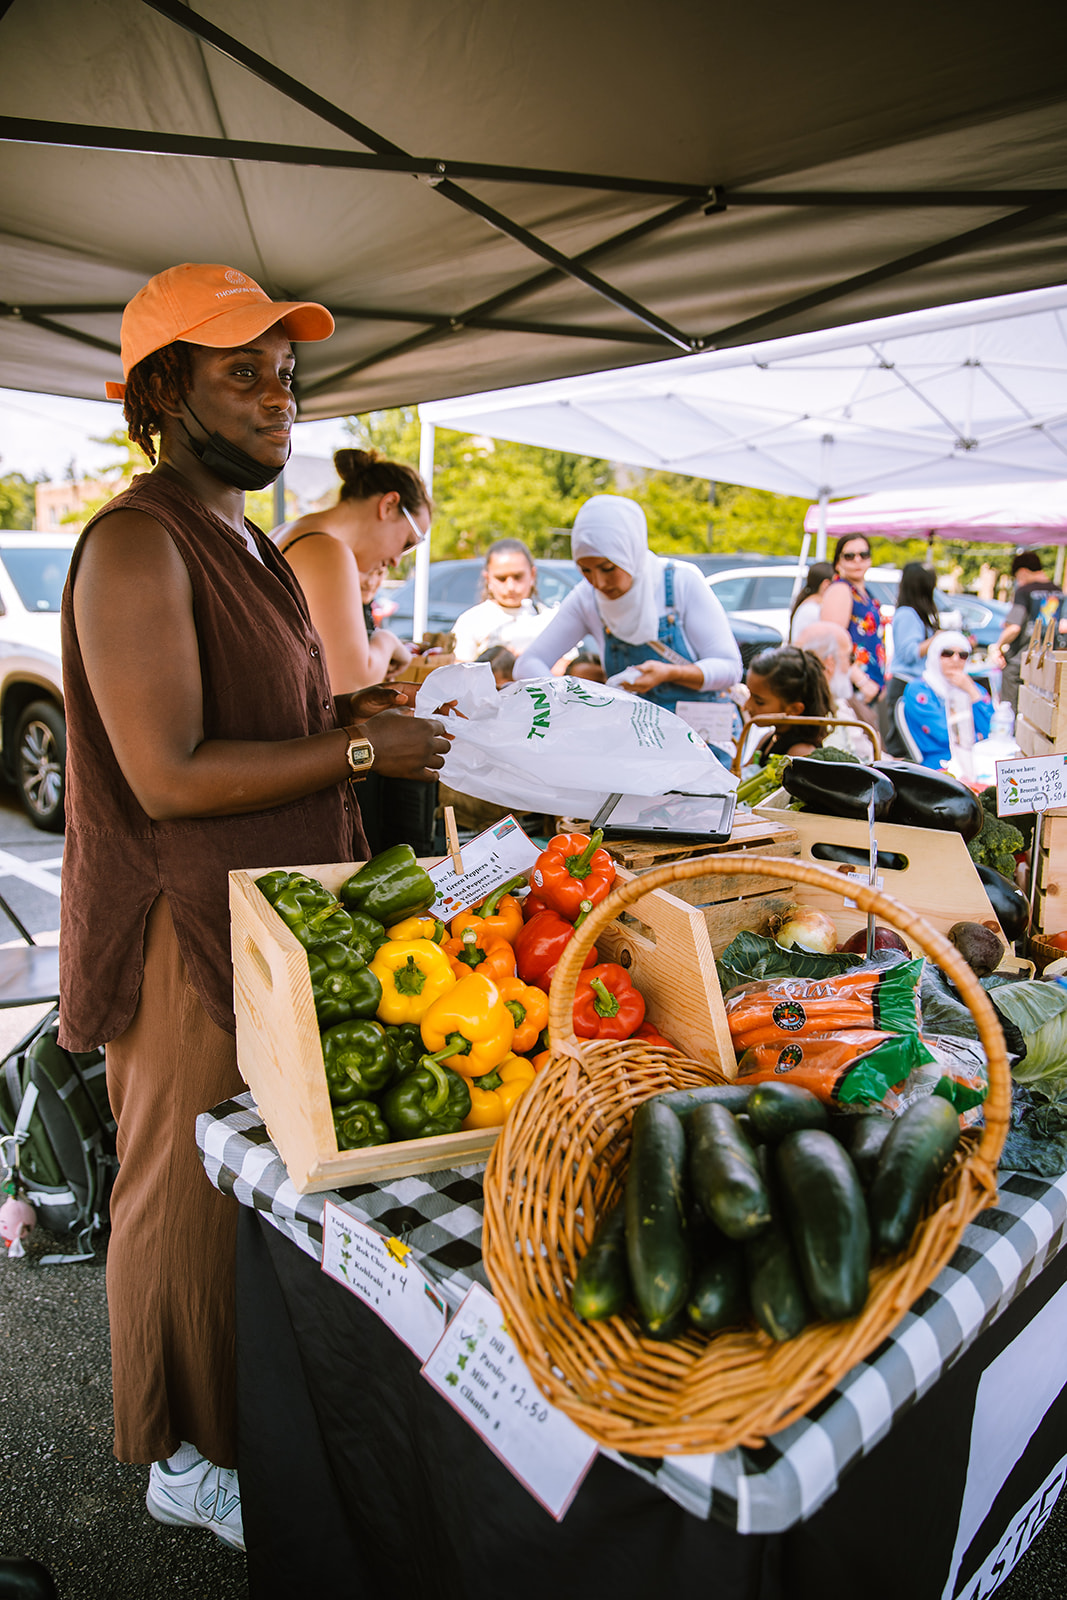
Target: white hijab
613, 528
949, 639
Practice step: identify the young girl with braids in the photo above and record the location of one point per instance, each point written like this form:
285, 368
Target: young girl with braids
787, 682
382, 511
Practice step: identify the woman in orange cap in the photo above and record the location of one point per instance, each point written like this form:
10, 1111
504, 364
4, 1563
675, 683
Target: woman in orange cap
202, 735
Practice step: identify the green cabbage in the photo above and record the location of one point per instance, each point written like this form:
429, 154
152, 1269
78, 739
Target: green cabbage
1039, 1010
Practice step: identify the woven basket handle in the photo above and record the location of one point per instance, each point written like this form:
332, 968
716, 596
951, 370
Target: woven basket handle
766, 720
932, 944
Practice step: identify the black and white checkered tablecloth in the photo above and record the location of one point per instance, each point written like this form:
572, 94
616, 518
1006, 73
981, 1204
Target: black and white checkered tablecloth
439, 1214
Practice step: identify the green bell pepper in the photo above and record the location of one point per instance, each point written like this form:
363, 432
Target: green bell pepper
359, 1125
342, 984
428, 1101
359, 1059
406, 1039
311, 912
367, 936
390, 887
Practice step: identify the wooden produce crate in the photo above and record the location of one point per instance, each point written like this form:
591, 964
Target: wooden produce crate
1050, 908
932, 874
664, 944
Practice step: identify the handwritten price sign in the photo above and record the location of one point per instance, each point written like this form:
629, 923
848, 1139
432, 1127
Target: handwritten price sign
381, 1273
478, 1370
1031, 783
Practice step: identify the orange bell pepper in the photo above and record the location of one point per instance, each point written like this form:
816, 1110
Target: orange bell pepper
529, 1006
469, 1029
498, 913
478, 951
494, 1094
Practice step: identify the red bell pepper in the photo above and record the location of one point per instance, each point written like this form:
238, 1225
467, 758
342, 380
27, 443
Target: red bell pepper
571, 870
651, 1035
540, 945
606, 1004
531, 905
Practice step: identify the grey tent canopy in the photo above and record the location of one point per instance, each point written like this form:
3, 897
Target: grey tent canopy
487, 194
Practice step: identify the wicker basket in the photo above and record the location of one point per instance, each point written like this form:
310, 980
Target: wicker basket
561, 1161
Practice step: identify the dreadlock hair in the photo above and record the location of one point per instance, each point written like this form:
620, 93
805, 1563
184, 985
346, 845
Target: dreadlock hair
142, 407
796, 675
365, 473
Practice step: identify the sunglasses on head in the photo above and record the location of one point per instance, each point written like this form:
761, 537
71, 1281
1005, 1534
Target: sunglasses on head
964, 655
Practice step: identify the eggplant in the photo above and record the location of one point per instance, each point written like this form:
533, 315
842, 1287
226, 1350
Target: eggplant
1010, 904
837, 788
928, 799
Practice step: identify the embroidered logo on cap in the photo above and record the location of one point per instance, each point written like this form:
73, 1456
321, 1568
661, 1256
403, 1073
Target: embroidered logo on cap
235, 277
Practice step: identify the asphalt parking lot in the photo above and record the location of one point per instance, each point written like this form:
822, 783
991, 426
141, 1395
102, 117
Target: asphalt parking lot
64, 1499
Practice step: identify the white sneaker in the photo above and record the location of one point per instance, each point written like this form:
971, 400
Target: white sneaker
204, 1496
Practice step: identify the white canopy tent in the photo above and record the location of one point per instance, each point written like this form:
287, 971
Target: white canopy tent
952, 397
1001, 513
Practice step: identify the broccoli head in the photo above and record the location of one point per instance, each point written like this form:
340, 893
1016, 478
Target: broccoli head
996, 845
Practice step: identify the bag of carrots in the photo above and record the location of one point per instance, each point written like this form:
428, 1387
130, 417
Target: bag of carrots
856, 1067
885, 998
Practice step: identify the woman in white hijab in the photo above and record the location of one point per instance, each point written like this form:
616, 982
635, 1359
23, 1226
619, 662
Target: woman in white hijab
656, 621
945, 707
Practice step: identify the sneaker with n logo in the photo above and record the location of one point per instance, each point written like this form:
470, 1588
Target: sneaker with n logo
203, 1496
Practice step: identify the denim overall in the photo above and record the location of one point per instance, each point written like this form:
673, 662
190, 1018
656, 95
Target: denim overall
618, 655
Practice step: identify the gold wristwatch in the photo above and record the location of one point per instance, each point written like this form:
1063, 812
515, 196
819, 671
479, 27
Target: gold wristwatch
360, 755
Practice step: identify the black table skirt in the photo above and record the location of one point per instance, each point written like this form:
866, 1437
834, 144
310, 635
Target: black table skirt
359, 1480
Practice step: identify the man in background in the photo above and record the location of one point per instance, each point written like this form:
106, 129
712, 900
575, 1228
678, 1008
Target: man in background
1035, 599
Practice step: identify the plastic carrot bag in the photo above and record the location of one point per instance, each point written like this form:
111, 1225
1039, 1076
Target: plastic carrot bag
884, 998
854, 1067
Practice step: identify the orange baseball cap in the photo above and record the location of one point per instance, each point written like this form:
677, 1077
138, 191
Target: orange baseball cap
216, 306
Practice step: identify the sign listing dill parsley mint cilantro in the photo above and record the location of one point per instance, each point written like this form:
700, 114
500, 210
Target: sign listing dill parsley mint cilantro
478, 1370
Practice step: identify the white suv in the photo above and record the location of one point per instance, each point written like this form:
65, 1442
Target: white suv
33, 737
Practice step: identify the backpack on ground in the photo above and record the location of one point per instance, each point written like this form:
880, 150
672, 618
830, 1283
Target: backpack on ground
54, 1107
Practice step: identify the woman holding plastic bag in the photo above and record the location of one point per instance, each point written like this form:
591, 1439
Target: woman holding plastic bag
662, 633
946, 708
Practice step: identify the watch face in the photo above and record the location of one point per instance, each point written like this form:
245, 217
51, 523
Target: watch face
360, 754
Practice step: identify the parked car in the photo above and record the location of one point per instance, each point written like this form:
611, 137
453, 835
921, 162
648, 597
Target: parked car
765, 595
456, 585
33, 735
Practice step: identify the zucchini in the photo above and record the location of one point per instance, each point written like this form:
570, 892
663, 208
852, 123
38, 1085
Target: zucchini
827, 1220
863, 1137
724, 1174
719, 1295
734, 1096
776, 1109
657, 1247
913, 1158
602, 1281
775, 1292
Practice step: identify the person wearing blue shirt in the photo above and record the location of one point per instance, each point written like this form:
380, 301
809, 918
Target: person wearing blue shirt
914, 625
945, 696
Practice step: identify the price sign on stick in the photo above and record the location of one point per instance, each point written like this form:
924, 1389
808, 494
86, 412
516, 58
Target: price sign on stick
491, 858
1031, 783
382, 1274
478, 1370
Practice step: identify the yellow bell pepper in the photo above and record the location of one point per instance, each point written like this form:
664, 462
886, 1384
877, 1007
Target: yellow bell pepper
494, 1094
469, 1028
413, 973
424, 927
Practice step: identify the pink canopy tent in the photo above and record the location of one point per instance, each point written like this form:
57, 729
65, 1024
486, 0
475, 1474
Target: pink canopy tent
1005, 513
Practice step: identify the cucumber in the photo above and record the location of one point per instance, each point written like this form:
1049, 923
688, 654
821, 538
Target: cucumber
657, 1248
734, 1096
913, 1158
724, 1175
828, 1223
775, 1292
864, 1137
719, 1294
602, 1281
776, 1109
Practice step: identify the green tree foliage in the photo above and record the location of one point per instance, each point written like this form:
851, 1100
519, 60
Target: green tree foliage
17, 508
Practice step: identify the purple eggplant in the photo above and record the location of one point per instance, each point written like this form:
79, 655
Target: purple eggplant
927, 799
838, 788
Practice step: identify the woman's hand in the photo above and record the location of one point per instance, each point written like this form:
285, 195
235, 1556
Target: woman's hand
954, 671
648, 675
406, 746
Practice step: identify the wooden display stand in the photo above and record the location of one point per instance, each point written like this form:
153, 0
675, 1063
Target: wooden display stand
1041, 724
664, 944
1050, 905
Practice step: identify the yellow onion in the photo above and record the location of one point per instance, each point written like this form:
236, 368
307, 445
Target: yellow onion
807, 929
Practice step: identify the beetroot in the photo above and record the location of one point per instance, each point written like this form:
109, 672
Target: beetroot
884, 939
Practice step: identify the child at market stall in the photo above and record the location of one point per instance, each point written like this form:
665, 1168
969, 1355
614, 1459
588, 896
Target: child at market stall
787, 682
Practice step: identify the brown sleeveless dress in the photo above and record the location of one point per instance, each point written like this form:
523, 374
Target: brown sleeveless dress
168, 1021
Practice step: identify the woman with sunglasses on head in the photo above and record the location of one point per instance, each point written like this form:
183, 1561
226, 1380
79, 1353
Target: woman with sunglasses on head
946, 706
202, 735
848, 604
382, 511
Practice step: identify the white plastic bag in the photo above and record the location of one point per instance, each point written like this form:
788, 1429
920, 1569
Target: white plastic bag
563, 744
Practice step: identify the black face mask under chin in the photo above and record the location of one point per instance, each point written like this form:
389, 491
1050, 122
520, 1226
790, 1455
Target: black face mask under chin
227, 461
